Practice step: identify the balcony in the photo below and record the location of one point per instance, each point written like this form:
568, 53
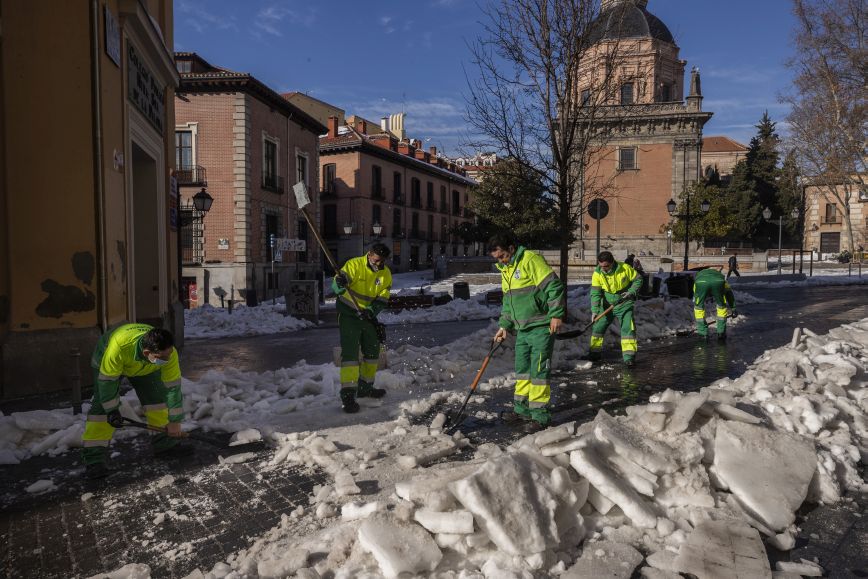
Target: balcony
399, 199
378, 193
273, 183
456, 210
830, 220
191, 176
416, 203
431, 206
444, 208
398, 233
329, 191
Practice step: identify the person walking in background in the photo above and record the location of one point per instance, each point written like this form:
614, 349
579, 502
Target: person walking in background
615, 284
364, 281
534, 304
710, 283
733, 267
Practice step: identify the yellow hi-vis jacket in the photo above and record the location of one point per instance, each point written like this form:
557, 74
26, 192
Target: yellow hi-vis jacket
370, 288
532, 293
120, 354
605, 287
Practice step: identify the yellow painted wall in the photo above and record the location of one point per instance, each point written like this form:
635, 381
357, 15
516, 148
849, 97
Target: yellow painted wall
49, 168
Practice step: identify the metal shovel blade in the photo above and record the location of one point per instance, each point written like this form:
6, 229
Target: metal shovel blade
301, 196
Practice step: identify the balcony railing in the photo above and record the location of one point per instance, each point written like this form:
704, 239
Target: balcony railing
456, 210
194, 175
416, 203
431, 206
272, 182
830, 220
398, 233
378, 193
444, 208
399, 199
329, 190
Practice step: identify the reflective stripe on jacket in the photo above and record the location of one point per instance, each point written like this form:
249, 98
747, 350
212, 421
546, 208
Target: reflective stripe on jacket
532, 293
119, 353
608, 285
370, 288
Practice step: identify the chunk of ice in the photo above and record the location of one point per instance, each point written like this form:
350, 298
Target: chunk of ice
398, 546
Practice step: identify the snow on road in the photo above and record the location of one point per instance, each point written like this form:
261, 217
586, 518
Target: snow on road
210, 322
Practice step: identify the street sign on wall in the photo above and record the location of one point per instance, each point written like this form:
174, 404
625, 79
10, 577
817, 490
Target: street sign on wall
286, 244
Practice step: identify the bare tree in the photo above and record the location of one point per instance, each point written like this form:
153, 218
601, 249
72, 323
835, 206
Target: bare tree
543, 97
828, 120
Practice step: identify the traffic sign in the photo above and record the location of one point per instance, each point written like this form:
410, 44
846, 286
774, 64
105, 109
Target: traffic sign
598, 209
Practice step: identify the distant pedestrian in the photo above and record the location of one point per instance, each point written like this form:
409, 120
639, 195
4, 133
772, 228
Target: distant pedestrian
534, 303
710, 283
364, 281
733, 267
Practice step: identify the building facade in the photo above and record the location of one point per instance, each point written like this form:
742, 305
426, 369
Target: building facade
379, 187
653, 143
825, 227
248, 146
87, 212
721, 154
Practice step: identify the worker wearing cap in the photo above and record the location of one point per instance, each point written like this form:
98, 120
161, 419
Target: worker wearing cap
362, 286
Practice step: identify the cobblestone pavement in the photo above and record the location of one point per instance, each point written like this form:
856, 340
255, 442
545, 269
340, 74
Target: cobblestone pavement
212, 510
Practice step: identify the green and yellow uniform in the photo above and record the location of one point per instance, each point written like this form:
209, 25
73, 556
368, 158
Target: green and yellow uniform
371, 291
710, 283
118, 354
605, 291
532, 296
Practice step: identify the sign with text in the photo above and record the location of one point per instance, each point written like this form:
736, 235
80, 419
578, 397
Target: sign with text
286, 244
145, 91
112, 37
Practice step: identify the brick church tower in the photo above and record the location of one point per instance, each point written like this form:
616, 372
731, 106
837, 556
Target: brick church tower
652, 151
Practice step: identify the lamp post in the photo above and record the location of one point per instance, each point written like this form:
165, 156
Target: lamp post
378, 229
202, 203
670, 207
669, 239
797, 214
767, 215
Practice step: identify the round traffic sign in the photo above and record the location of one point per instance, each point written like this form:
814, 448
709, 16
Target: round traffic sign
598, 209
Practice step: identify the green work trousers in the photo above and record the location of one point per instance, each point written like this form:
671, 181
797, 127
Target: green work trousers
624, 313
357, 333
98, 432
533, 355
703, 290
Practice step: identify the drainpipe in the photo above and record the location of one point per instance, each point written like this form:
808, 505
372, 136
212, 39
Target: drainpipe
99, 202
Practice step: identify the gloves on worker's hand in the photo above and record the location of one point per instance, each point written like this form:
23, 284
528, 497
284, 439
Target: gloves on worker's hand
115, 419
626, 297
733, 314
341, 280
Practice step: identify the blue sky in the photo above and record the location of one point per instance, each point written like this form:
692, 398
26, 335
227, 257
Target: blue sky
375, 57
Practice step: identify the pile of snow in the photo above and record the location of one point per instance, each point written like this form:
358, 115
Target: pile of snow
694, 483
816, 280
210, 322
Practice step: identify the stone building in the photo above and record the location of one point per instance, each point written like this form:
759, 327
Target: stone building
378, 185
248, 145
477, 165
653, 149
721, 154
825, 228
88, 216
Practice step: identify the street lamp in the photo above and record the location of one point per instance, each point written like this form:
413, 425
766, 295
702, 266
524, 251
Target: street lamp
671, 206
767, 215
348, 228
202, 201
378, 229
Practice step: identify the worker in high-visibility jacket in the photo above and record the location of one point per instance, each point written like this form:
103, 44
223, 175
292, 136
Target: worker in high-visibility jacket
146, 356
617, 284
534, 305
710, 283
362, 286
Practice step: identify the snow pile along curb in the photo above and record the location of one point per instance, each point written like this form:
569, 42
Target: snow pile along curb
210, 322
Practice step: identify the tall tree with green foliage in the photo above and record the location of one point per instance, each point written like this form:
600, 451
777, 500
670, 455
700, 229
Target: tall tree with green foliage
511, 198
717, 223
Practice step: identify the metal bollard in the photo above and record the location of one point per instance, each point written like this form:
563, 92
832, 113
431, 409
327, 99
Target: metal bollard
75, 379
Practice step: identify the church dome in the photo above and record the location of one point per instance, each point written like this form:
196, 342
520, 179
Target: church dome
628, 19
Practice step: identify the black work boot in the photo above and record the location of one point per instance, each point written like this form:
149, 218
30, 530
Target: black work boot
96, 470
348, 400
366, 390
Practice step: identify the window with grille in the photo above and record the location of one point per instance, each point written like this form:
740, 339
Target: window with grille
184, 150
627, 93
626, 158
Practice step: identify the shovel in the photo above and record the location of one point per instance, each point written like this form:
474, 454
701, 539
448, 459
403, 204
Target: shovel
580, 331
454, 421
193, 435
